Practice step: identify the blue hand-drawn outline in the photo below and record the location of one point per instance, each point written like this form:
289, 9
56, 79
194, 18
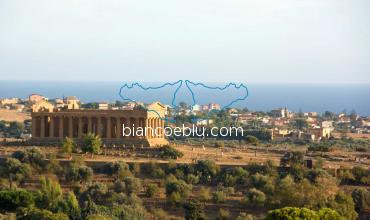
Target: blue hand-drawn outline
130, 86
187, 83
241, 85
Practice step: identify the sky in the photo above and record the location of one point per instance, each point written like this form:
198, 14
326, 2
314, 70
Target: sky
268, 41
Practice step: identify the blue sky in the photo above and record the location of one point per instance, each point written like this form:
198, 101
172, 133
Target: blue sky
314, 41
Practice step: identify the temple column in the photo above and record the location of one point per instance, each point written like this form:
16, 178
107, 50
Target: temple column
34, 121
109, 127
146, 127
42, 132
80, 127
152, 121
61, 127
154, 127
157, 128
70, 127
149, 124
162, 127
51, 128
132, 125
89, 125
99, 126
119, 128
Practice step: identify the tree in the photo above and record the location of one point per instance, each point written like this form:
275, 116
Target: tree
329, 214
119, 170
16, 171
303, 214
97, 217
194, 211
245, 216
300, 123
361, 198
10, 200
71, 207
68, 146
91, 143
53, 165
344, 205
223, 214
292, 158
50, 194
151, 190
177, 190
255, 197
97, 192
15, 129
40, 214
79, 173
292, 213
133, 185
207, 170
34, 156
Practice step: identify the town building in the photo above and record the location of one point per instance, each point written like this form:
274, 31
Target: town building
310, 114
196, 108
71, 102
51, 125
9, 101
35, 98
281, 113
214, 106
103, 106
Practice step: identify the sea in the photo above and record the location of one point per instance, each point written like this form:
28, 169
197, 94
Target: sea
260, 97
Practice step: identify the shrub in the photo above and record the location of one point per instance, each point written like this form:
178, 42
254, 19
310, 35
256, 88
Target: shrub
194, 211
151, 190
219, 196
252, 140
192, 179
160, 214
169, 152
204, 194
40, 214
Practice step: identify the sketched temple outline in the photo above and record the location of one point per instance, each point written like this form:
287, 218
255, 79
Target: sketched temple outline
179, 84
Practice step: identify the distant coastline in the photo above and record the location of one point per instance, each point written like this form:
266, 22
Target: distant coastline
264, 97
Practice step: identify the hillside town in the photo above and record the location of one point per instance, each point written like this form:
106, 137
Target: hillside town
78, 152
281, 124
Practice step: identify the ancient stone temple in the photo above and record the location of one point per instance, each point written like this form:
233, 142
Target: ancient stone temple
50, 125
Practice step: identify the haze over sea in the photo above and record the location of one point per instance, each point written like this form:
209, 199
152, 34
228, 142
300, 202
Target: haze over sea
307, 97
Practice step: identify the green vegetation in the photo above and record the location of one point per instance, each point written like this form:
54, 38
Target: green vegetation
289, 191
68, 146
169, 152
303, 213
91, 143
11, 129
